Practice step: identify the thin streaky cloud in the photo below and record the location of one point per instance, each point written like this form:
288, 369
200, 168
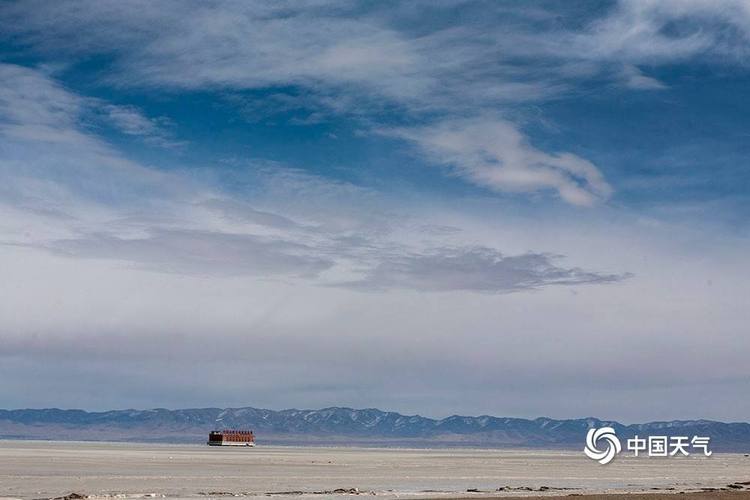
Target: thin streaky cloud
475, 269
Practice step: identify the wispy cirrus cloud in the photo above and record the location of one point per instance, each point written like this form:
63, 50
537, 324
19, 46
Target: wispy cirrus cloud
475, 269
381, 264
492, 153
130, 120
358, 59
653, 32
355, 52
170, 223
199, 252
363, 48
633, 78
53, 162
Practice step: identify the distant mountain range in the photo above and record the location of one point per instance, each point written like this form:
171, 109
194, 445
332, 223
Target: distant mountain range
344, 426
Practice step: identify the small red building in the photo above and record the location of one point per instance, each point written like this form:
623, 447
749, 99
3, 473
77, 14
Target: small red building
231, 438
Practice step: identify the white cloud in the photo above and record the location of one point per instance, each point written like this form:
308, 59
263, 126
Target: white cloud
131, 121
51, 162
475, 269
35, 108
492, 153
365, 49
634, 78
605, 350
355, 59
652, 31
199, 252
171, 222
107, 314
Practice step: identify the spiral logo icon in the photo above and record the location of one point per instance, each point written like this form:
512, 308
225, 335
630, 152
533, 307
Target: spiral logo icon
608, 438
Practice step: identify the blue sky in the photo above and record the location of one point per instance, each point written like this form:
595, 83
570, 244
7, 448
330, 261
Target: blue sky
477, 207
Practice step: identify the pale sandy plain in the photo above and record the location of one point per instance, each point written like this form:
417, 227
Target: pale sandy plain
35, 469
